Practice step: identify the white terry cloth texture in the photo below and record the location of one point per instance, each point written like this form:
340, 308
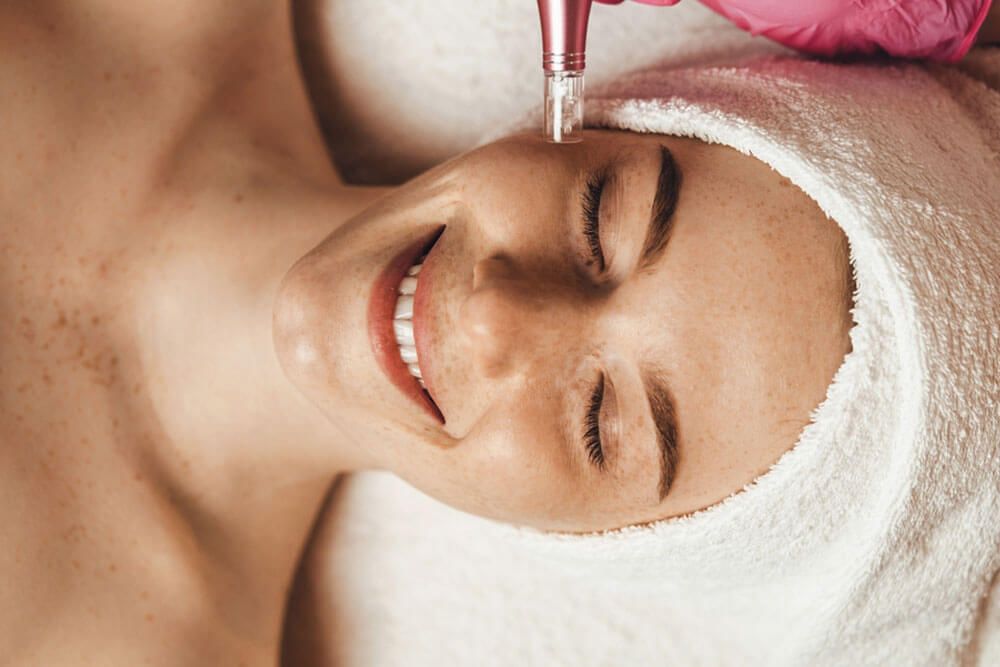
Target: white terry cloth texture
876, 539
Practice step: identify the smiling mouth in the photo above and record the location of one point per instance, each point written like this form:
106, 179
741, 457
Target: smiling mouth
402, 322
391, 320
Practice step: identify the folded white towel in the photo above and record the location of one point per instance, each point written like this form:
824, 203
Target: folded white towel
876, 539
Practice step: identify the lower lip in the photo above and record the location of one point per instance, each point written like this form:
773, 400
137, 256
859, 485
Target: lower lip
381, 308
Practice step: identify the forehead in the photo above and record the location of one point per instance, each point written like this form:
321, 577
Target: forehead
746, 313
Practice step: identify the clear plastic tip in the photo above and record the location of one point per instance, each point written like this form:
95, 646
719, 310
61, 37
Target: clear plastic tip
563, 106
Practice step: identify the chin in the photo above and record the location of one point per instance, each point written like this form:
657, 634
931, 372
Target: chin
297, 327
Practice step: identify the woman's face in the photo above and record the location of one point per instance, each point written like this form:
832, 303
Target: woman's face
614, 332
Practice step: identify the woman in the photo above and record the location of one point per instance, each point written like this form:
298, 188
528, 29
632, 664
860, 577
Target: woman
162, 465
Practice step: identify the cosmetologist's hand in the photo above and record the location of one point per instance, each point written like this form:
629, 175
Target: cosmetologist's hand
942, 30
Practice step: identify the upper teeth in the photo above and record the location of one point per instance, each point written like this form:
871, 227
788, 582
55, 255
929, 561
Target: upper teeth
402, 323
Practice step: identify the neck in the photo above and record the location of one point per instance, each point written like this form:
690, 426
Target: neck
249, 458
242, 457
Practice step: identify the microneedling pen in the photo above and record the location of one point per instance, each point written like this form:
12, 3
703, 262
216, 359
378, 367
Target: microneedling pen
564, 47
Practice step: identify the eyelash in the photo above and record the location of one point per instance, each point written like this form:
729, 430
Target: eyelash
592, 428
591, 215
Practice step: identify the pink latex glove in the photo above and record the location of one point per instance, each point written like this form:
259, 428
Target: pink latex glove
942, 30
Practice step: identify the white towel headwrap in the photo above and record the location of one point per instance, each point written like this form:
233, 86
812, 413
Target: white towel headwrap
876, 539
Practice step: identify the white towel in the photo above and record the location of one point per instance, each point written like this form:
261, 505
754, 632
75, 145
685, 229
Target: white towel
876, 539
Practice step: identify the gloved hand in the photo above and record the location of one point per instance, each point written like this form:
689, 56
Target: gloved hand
942, 30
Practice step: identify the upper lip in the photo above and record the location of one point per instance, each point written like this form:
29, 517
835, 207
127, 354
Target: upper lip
422, 320
380, 316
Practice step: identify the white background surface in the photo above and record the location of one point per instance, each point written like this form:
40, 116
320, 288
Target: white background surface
402, 85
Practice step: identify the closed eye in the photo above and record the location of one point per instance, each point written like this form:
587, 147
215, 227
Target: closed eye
592, 425
591, 204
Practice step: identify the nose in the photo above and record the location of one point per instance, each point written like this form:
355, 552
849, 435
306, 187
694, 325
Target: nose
510, 318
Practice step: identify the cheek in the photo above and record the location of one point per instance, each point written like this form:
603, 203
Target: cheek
512, 466
299, 321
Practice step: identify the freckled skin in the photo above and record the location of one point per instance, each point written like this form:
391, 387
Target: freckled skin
139, 222
745, 315
160, 469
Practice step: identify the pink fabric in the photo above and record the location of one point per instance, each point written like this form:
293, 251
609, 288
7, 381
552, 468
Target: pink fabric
942, 30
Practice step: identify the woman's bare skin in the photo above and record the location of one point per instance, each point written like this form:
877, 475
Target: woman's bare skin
161, 170
138, 139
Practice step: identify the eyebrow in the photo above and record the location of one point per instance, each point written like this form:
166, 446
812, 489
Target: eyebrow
661, 216
661, 403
